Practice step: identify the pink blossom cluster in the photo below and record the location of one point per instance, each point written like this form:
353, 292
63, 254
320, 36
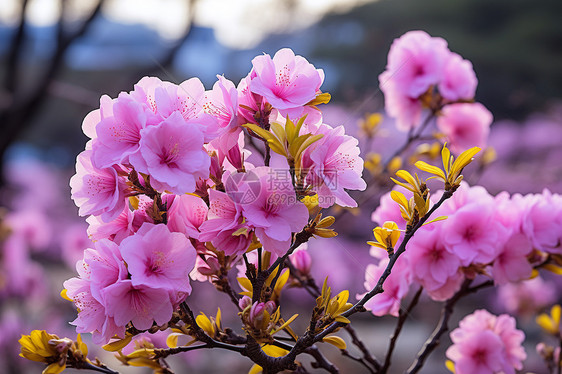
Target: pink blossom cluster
139, 281
422, 73
501, 236
166, 172
484, 343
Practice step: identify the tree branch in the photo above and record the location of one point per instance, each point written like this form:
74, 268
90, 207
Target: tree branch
443, 324
401, 320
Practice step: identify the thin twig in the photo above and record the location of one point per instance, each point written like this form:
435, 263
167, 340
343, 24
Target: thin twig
400, 323
443, 324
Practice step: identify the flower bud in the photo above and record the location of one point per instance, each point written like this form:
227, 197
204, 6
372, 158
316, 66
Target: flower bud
235, 157
301, 260
244, 302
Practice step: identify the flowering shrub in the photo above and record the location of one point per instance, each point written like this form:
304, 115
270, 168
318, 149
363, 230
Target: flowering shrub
184, 185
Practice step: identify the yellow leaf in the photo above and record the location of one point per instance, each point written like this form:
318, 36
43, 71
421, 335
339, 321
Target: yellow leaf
118, 344
205, 323
134, 201
64, 295
54, 368
424, 166
335, 341
464, 159
279, 131
553, 268
450, 365
342, 319
264, 134
281, 281
81, 345
323, 98
245, 283
276, 147
284, 325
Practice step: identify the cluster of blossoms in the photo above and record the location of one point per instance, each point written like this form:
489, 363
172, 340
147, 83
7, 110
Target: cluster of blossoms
169, 191
422, 73
501, 237
484, 343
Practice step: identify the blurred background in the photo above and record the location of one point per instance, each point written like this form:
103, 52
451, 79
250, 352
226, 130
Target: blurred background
58, 57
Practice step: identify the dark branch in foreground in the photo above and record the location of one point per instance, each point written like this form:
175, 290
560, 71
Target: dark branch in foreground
401, 320
443, 324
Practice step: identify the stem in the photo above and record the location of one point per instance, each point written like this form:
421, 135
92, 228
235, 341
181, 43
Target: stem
401, 320
359, 306
443, 325
84, 365
202, 336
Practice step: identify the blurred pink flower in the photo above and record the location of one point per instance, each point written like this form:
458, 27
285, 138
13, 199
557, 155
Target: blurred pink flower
405, 109
511, 264
528, 297
416, 61
459, 80
465, 125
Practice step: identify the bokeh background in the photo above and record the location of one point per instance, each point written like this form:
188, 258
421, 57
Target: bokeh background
58, 57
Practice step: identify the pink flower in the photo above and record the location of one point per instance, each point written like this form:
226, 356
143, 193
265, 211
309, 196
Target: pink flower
528, 297
484, 343
222, 103
186, 213
459, 80
159, 259
301, 260
416, 61
479, 353
224, 220
286, 81
542, 221
512, 265
92, 317
118, 135
100, 192
335, 165
115, 230
172, 154
395, 287
473, 234
432, 264
275, 213
140, 304
104, 266
187, 99
465, 125
405, 109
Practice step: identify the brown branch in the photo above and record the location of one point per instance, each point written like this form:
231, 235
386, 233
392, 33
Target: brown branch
321, 361
443, 324
12, 65
401, 320
16, 117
